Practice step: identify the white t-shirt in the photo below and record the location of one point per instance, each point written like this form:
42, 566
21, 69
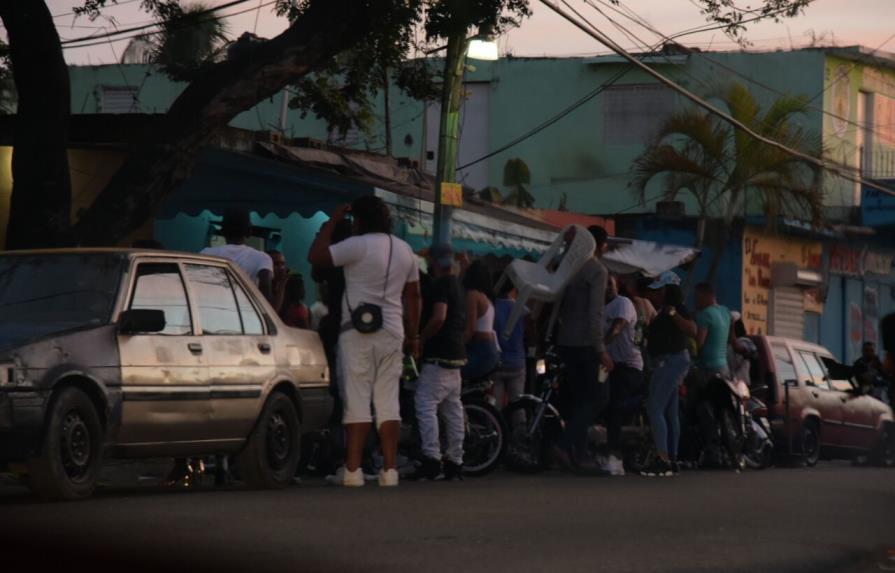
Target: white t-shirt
252, 261
364, 259
622, 349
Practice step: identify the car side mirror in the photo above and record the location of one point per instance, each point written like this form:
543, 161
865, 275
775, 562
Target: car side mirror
141, 320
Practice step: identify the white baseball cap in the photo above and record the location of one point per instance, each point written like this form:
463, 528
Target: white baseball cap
665, 279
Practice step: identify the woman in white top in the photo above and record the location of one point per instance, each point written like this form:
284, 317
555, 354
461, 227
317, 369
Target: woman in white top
482, 350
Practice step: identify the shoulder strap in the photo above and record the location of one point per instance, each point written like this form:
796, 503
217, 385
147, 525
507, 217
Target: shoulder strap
388, 266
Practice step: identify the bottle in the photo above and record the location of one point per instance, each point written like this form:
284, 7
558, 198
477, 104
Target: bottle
410, 372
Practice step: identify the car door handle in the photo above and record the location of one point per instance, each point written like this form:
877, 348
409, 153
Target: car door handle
844, 399
195, 347
264, 347
815, 394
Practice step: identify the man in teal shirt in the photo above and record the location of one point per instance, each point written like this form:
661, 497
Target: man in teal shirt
713, 334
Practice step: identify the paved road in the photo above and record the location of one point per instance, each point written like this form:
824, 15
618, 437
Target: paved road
830, 518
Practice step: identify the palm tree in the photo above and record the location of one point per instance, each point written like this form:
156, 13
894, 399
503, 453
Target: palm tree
189, 38
516, 176
727, 171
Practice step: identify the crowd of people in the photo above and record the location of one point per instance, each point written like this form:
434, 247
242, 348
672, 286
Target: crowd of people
621, 339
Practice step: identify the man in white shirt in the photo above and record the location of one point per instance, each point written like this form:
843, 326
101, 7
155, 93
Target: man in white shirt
626, 377
236, 228
382, 270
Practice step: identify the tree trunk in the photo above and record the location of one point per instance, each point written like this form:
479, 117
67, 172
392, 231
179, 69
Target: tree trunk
40, 207
163, 159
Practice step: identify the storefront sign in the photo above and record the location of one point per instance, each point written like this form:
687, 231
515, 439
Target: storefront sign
857, 262
760, 252
451, 194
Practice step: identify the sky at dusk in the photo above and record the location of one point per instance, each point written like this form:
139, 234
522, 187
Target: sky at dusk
843, 22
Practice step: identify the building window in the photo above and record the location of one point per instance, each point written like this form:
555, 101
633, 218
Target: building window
632, 114
119, 99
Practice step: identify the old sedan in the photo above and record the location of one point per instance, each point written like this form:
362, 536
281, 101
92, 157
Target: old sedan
134, 354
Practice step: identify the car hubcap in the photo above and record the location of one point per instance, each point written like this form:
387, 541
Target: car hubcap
75, 446
278, 441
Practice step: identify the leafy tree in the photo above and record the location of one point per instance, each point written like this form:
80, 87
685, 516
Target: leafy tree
726, 171
334, 51
189, 39
516, 176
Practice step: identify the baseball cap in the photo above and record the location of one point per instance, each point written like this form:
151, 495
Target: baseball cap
665, 279
442, 254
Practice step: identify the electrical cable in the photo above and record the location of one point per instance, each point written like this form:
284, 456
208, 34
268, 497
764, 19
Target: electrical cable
152, 25
841, 170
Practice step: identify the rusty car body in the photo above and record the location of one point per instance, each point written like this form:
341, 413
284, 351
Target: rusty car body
145, 353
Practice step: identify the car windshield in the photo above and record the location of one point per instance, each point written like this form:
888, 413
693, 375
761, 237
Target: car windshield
43, 295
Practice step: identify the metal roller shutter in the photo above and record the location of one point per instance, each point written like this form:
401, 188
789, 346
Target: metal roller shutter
787, 312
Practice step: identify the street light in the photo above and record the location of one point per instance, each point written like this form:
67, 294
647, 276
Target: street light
459, 47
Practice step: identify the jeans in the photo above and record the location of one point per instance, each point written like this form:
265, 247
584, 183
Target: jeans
584, 395
438, 393
482, 358
508, 385
669, 371
625, 393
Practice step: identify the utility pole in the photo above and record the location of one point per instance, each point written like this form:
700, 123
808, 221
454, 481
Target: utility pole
449, 131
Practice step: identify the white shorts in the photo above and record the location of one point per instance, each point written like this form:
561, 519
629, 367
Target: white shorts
370, 367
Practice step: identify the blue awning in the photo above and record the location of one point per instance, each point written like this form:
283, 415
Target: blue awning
225, 179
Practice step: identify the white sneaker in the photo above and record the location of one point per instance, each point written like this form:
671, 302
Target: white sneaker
615, 466
388, 478
345, 478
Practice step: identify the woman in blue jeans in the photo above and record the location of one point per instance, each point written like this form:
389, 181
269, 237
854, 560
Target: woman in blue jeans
667, 343
482, 350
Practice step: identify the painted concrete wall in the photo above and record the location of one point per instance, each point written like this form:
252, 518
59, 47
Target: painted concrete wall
571, 157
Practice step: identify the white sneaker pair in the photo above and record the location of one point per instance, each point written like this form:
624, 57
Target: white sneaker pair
615, 466
345, 478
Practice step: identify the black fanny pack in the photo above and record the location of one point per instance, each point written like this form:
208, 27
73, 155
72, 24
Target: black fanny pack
367, 317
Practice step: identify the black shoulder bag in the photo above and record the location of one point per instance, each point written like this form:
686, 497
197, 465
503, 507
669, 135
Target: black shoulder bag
367, 318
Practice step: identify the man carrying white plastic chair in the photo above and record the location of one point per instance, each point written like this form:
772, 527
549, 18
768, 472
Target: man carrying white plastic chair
579, 341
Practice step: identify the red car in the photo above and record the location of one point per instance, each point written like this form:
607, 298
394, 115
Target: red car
815, 407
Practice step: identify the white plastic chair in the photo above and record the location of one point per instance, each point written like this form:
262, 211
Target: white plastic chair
535, 281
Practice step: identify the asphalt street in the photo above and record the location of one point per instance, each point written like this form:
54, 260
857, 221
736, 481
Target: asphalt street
830, 518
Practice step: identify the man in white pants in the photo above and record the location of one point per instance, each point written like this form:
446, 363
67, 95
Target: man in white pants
444, 354
380, 270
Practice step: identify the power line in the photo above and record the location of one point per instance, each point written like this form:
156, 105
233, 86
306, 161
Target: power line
643, 23
162, 31
601, 88
152, 25
842, 171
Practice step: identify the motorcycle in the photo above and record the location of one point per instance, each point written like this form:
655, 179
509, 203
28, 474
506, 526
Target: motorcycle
758, 444
742, 420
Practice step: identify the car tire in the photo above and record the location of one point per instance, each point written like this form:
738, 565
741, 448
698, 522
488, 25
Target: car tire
271, 455
885, 450
810, 440
71, 450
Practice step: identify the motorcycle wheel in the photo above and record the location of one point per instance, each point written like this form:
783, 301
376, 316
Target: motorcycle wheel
528, 452
733, 442
759, 460
485, 439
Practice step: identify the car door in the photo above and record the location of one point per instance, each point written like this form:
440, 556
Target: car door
164, 387
858, 415
238, 351
821, 396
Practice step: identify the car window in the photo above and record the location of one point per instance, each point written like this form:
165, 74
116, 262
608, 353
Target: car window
818, 376
251, 322
159, 286
841, 384
783, 363
218, 313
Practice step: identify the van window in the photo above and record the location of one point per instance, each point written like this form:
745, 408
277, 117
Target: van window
783, 363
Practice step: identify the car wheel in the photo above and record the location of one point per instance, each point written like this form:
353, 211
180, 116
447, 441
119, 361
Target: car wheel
885, 453
71, 451
272, 453
810, 443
